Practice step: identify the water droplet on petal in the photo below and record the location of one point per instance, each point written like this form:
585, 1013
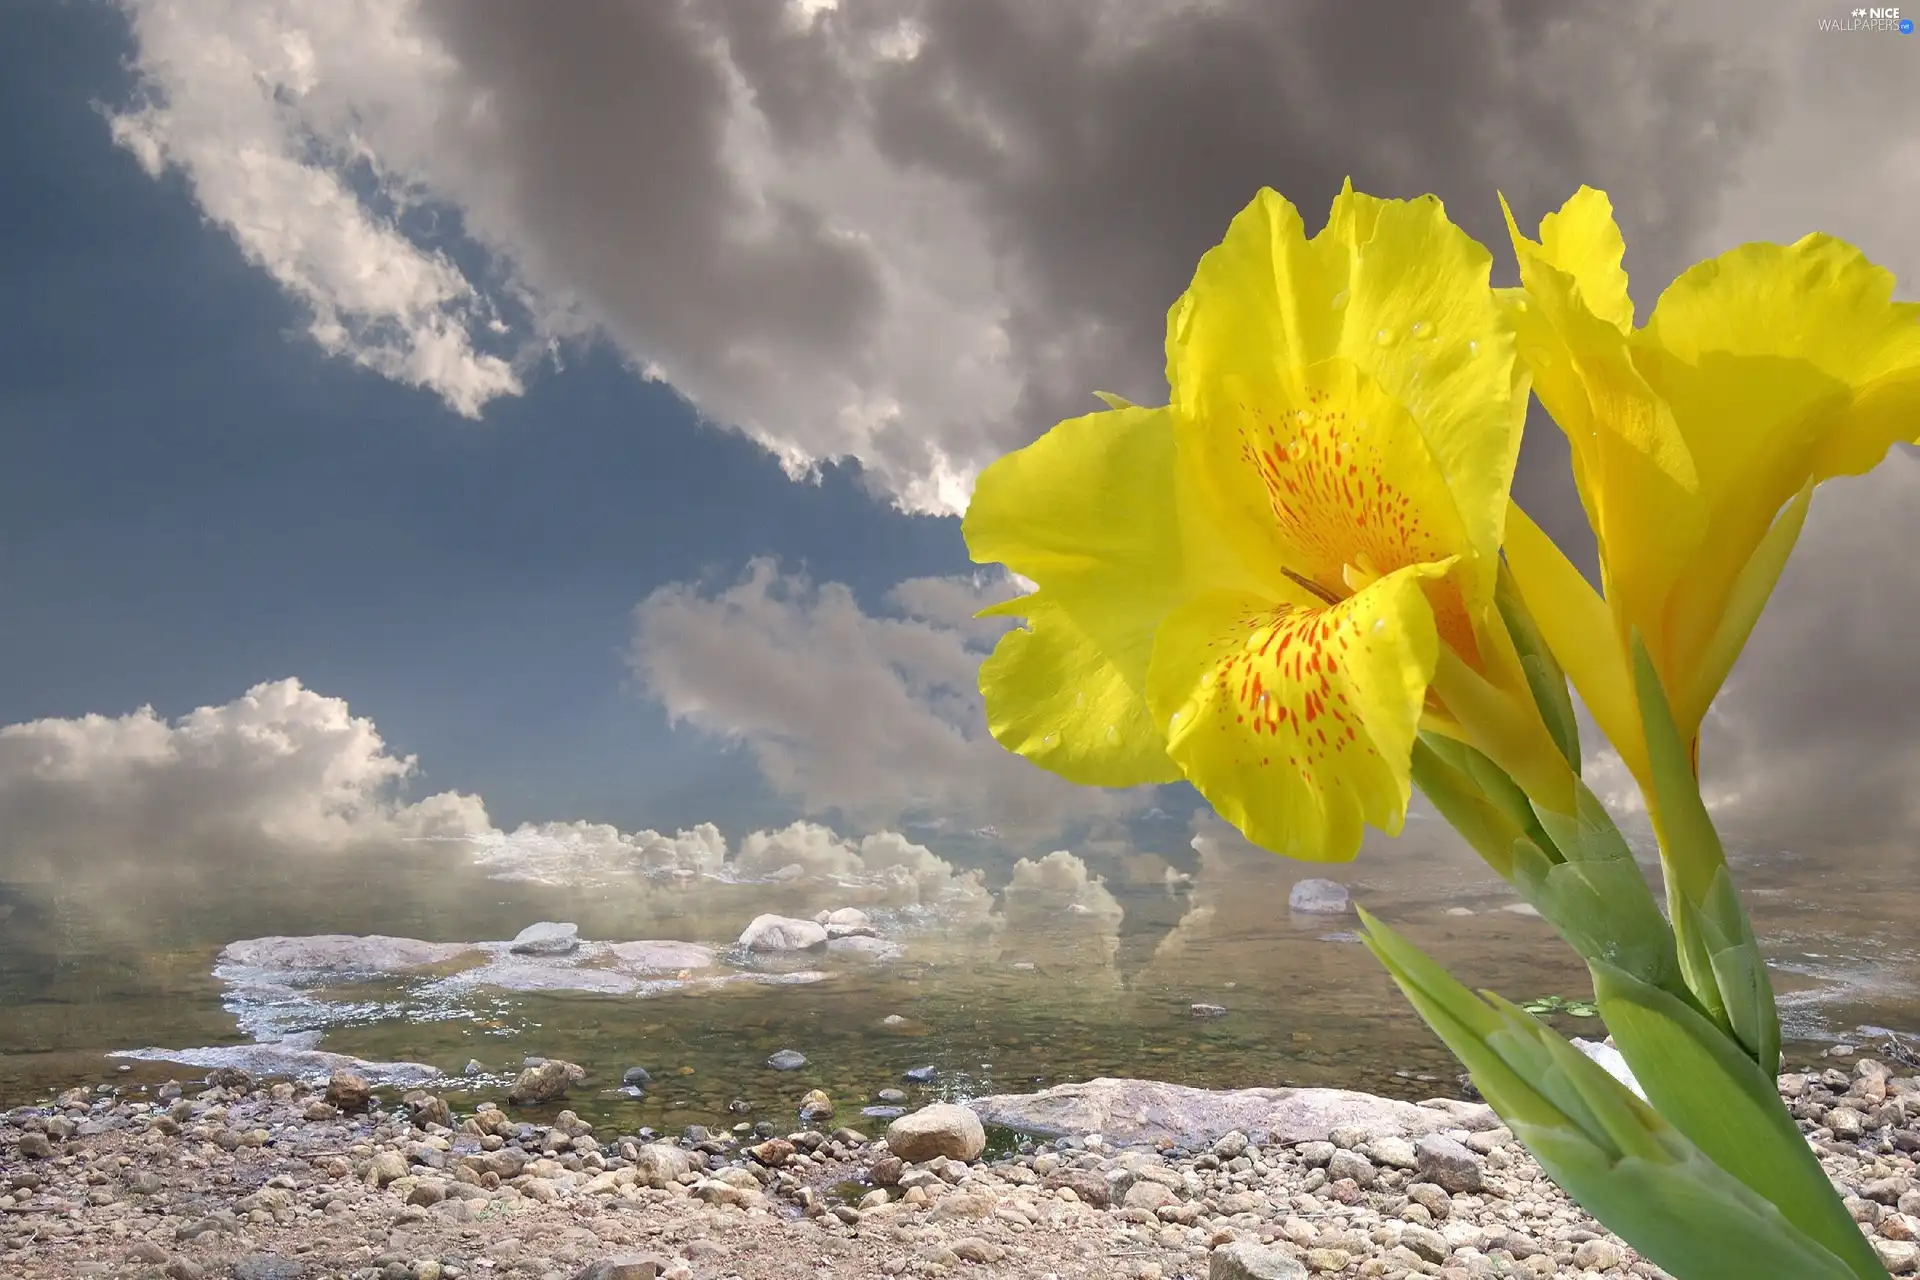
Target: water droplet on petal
1473, 348
1379, 625
1383, 337
1206, 679
1302, 417
1340, 300
1113, 735
1519, 304
1080, 699
1051, 740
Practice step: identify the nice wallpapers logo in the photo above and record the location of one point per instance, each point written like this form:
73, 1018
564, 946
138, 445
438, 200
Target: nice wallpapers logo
1869, 19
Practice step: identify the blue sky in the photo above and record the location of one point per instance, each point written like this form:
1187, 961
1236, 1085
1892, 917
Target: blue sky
193, 499
324, 327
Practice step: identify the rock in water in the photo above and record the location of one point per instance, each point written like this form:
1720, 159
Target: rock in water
1320, 898
348, 1091
939, 1130
816, 1106
428, 1108
787, 1060
546, 939
783, 933
544, 1083
637, 1076
653, 956
1245, 1260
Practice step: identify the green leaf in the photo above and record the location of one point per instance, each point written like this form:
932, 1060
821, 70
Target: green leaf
1608, 1150
1560, 1004
1484, 825
1544, 677
1718, 1097
1598, 898
1719, 956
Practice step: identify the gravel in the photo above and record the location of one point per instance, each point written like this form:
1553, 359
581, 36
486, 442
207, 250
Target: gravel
250, 1180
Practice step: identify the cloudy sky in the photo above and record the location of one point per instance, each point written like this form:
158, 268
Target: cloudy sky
420, 416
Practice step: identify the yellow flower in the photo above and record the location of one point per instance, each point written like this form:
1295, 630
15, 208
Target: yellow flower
1268, 585
1697, 440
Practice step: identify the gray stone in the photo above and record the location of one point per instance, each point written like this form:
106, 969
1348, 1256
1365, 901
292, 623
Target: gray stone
1598, 1255
1351, 1164
1316, 1154
1393, 1151
1320, 898
340, 953
267, 1266
1149, 1196
544, 1083
864, 947
1426, 1242
1245, 1260
661, 957
939, 1130
1142, 1112
660, 1164
625, 1266
1448, 1164
546, 939
1848, 1125
787, 1060
783, 933
348, 1090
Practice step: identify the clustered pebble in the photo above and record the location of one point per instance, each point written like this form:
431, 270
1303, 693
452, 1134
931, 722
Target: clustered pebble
260, 1180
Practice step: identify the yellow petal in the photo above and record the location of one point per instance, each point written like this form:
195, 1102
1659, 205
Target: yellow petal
1636, 475
1783, 364
1580, 632
1053, 697
1584, 241
1088, 512
1383, 322
1296, 721
1748, 597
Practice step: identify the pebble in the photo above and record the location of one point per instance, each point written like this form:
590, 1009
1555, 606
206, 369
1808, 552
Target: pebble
1245, 1260
394, 1194
787, 1060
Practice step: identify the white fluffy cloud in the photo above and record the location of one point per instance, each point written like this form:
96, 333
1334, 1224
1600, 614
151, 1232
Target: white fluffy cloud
282, 763
284, 770
877, 717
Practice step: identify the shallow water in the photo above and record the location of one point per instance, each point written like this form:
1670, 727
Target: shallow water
1054, 979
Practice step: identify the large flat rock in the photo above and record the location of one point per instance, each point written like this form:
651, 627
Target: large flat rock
1130, 1112
334, 953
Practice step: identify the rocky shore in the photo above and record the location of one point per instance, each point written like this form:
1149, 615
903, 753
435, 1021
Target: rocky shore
334, 1180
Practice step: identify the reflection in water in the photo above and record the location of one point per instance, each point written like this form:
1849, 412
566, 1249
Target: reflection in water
1057, 967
